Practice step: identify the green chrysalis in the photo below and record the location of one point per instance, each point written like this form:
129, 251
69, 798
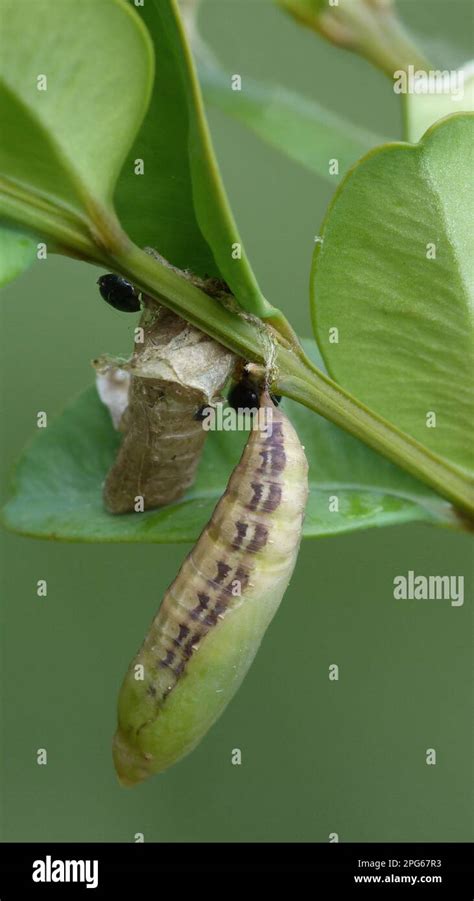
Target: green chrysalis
214, 615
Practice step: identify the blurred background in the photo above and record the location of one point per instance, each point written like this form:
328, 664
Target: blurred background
318, 756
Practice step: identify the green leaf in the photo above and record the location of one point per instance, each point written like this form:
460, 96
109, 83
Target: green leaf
58, 483
157, 208
180, 206
404, 319
424, 109
17, 252
74, 85
298, 127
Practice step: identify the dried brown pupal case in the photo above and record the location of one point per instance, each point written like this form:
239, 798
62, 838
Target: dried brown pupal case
174, 371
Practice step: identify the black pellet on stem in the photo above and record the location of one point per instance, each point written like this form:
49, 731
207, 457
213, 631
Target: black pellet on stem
244, 395
119, 293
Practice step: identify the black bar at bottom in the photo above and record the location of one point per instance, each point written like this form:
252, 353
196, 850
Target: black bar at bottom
64, 870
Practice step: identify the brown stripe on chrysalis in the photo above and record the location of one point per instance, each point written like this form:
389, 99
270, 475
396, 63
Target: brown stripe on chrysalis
213, 617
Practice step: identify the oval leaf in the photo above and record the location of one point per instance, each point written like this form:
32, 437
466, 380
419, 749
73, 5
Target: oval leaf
157, 208
179, 205
57, 486
393, 274
74, 85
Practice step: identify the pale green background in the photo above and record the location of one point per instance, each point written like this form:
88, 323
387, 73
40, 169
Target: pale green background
318, 756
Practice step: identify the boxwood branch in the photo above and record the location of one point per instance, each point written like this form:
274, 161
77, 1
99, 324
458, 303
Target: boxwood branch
297, 377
